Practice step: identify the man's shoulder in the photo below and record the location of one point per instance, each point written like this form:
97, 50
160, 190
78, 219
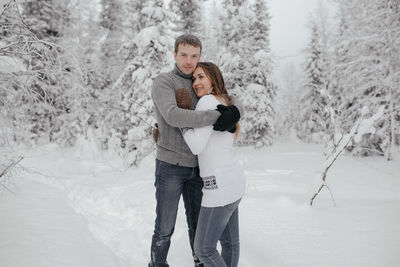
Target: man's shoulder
164, 76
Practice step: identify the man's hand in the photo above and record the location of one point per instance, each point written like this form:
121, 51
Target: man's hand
230, 115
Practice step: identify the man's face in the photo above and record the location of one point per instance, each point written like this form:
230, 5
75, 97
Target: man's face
187, 58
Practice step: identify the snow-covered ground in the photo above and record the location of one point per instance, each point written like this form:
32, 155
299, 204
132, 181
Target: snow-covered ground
76, 207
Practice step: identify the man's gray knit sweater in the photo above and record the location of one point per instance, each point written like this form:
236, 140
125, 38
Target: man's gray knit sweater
171, 146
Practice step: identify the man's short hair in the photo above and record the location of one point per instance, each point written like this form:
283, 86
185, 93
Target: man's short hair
189, 39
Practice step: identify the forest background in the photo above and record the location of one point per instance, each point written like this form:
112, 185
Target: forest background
73, 70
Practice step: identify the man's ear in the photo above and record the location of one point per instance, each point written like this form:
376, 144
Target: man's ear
174, 55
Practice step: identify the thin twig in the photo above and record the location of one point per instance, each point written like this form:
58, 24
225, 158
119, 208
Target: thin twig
6, 170
319, 190
6, 6
9, 167
9, 190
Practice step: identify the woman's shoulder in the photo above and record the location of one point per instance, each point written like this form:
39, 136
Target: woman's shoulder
210, 99
208, 102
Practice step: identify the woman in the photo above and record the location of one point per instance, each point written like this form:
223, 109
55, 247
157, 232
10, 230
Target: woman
223, 177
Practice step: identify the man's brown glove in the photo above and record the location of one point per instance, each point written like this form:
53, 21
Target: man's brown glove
155, 132
183, 98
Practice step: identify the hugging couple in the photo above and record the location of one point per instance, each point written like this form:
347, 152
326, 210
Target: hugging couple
197, 124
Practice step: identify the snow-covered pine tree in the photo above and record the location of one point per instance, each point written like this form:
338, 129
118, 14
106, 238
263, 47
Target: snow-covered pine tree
135, 23
111, 61
369, 76
259, 95
12, 85
44, 21
82, 40
212, 32
111, 20
46, 18
136, 20
261, 26
187, 17
112, 125
313, 108
8, 21
289, 92
339, 57
82, 82
235, 20
391, 23
246, 66
151, 48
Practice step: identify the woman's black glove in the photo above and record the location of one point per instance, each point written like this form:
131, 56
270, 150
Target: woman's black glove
230, 115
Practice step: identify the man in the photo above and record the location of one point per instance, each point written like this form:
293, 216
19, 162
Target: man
177, 171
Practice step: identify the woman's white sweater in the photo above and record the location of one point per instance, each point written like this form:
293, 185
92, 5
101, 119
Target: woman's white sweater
223, 177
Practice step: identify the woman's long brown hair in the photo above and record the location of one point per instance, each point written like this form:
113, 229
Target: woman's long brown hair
217, 82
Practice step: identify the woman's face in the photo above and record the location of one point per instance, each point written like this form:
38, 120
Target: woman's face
201, 83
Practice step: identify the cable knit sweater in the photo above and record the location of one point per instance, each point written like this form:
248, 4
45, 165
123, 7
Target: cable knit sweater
171, 147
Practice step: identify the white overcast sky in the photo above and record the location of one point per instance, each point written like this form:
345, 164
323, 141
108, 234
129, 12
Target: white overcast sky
289, 33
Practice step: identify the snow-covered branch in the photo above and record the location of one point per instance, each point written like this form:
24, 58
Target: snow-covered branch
362, 127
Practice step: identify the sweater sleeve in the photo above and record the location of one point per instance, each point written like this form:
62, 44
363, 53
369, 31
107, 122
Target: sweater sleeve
238, 104
163, 95
197, 138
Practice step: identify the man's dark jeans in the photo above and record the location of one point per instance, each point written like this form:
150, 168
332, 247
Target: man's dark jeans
171, 182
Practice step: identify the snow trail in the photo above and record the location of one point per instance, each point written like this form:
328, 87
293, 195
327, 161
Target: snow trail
278, 227
39, 229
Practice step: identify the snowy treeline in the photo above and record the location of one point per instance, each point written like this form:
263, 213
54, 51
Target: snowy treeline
352, 66
72, 70
246, 64
83, 69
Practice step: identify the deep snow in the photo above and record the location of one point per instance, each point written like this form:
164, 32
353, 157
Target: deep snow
77, 207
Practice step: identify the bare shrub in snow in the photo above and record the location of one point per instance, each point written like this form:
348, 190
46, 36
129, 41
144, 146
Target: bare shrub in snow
362, 127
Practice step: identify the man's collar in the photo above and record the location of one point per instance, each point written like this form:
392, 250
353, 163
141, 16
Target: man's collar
179, 73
